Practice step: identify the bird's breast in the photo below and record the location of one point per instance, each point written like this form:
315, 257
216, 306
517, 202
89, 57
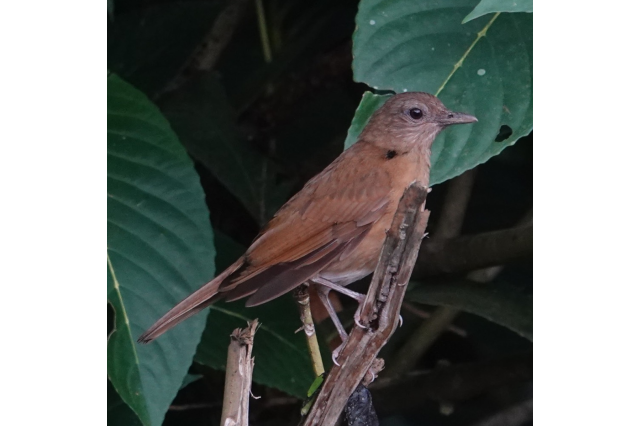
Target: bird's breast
404, 170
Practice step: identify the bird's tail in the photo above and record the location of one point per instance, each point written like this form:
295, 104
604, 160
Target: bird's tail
190, 306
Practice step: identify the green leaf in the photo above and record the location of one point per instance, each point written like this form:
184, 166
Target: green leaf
491, 6
190, 378
368, 105
159, 249
149, 46
482, 68
282, 360
203, 120
497, 303
119, 413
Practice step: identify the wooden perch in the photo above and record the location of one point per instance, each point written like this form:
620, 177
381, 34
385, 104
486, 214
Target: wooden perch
237, 387
380, 310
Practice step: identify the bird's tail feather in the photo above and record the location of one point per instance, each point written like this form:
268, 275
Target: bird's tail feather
190, 306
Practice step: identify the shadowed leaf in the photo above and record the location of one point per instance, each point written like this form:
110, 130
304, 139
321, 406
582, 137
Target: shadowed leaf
500, 304
159, 249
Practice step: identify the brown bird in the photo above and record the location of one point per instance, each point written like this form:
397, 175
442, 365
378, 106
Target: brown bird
331, 232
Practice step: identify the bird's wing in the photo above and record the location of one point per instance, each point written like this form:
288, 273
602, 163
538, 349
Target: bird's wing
326, 219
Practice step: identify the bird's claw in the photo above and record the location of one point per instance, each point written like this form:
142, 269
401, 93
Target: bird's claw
356, 319
336, 353
400, 320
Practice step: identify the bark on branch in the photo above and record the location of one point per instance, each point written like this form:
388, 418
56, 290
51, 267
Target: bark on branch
380, 309
237, 387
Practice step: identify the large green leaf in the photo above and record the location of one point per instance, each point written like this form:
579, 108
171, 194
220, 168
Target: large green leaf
492, 6
282, 359
497, 303
203, 120
483, 68
119, 413
159, 249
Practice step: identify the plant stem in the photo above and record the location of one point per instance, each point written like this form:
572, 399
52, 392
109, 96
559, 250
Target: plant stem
264, 32
302, 297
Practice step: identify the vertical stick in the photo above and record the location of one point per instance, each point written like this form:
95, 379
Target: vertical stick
301, 295
237, 387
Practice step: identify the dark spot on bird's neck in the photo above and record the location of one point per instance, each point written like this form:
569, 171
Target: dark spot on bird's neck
390, 154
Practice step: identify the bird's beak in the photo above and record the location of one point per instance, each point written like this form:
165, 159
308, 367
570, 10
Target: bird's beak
456, 118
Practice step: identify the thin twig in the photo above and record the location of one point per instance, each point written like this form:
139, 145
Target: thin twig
237, 387
206, 55
301, 294
420, 313
187, 407
264, 32
380, 310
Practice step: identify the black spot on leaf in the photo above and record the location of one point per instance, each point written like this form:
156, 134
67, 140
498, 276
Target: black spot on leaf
504, 133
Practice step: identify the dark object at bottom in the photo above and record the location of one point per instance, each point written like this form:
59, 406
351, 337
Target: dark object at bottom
359, 410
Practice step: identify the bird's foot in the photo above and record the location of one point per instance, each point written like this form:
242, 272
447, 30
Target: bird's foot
336, 353
357, 319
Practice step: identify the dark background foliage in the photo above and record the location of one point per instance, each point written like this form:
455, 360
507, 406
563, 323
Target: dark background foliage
257, 122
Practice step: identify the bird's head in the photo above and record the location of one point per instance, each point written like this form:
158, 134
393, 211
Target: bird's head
411, 118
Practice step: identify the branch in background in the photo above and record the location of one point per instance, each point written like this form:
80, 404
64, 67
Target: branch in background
487, 275
455, 205
421, 340
206, 55
237, 387
452, 383
301, 294
380, 310
515, 415
471, 252
420, 313
449, 226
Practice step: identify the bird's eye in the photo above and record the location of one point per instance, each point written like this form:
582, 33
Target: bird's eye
416, 113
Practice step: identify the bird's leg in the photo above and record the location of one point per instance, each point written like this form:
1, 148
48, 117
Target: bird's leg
323, 294
358, 297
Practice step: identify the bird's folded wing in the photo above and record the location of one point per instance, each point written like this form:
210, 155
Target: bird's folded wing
327, 218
